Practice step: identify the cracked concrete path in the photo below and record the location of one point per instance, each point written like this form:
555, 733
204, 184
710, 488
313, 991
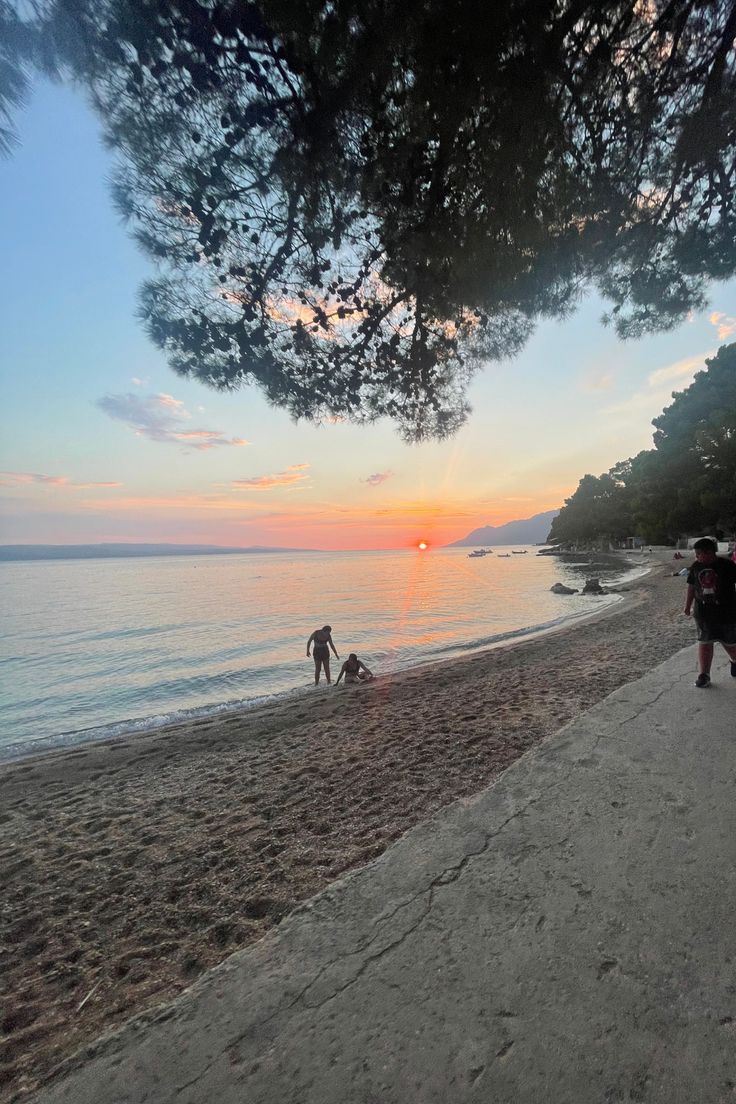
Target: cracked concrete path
565, 936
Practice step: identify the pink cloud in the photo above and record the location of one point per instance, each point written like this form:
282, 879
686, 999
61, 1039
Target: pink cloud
168, 401
203, 439
18, 479
724, 323
293, 474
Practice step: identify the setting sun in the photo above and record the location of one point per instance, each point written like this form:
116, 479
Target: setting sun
422, 546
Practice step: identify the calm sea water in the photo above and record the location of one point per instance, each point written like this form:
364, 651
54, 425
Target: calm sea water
94, 648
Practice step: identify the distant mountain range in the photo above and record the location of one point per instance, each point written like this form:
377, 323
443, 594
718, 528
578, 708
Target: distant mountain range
109, 551
533, 530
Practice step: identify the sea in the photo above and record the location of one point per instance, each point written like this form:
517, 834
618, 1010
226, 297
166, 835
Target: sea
94, 649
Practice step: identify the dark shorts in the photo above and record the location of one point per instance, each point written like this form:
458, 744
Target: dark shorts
321, 651
712, 631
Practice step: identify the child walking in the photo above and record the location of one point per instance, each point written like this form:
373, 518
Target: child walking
711, 588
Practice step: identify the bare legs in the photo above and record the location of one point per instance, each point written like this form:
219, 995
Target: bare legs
319, 663
705, 656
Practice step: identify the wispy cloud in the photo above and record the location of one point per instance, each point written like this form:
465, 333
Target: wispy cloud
725, 324
170, 403
138, 382
207, 439
159, 418
377, 478
678, 372
659, 385
21, 479
294, 474
598, 381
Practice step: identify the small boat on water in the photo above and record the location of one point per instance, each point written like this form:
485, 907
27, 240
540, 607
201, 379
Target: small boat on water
504, 555
478, 552
521, 552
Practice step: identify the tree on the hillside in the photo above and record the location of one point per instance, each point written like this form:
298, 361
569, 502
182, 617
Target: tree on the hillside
353, 203
597, 511
686, 484
664, 497
699, 430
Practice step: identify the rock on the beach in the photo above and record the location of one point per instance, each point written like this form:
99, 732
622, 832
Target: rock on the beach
560, 588
593, 586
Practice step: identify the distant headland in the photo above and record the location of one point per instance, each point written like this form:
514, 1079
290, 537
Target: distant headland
533, 530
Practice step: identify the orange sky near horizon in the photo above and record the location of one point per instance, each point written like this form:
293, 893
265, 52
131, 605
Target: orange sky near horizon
227, 520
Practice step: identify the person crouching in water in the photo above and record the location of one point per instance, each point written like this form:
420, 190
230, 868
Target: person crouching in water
322, 640
354, 670
711, 585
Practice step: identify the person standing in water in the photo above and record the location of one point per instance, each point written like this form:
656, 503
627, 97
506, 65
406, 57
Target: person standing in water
322, 640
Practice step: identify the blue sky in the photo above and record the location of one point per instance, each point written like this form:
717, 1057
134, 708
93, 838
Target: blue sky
102, 441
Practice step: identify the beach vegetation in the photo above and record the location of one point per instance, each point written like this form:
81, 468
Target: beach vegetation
355, 204
683, 485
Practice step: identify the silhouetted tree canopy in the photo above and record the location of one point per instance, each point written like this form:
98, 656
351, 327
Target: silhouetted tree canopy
354, 203
19, 47
683, 486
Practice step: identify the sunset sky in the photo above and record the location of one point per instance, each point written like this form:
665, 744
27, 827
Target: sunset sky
101, 441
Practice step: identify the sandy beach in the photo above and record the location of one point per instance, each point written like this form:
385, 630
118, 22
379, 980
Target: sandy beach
128, 868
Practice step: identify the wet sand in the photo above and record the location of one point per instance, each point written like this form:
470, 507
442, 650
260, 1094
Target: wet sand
128, 868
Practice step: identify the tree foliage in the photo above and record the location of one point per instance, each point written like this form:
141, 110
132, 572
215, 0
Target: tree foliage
20, 45
354, 203
686, 484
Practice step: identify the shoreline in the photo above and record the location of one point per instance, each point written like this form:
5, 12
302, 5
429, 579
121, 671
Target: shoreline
141, 727
131, 866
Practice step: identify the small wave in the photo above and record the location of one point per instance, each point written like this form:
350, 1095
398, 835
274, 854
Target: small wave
629, 576
138, 726
136, 632
466, 646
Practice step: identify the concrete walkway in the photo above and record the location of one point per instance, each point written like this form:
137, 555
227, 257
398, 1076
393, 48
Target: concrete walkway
568, 936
